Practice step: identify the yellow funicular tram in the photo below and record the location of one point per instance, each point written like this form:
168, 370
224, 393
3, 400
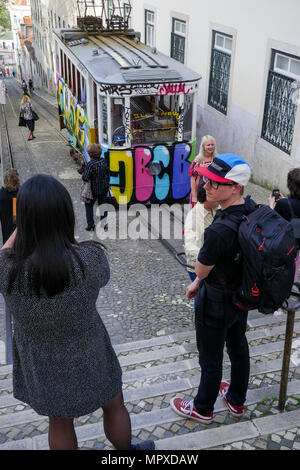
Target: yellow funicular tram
139, 104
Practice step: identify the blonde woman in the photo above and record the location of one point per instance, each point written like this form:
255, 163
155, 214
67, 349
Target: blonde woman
26, 113
208, 151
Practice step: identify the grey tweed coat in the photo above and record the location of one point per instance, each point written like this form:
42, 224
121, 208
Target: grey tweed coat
64, 363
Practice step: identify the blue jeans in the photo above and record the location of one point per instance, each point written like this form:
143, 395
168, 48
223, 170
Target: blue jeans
192, 275
217, 323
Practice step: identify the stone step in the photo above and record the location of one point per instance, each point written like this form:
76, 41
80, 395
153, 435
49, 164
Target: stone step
231, 433
160, 371
264, 320
156, 417
169, 385
171, 378
168, 351
169, 368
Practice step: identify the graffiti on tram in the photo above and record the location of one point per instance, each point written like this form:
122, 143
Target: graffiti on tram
74, 117
132, 182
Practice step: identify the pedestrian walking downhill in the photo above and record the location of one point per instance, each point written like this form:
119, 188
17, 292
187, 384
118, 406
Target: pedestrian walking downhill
27, 116
97, 173
64, 365
217, 320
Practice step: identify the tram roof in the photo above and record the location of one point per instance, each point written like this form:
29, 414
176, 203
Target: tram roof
119, 59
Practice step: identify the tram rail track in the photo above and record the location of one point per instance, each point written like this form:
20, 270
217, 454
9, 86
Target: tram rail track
7, 158
45, 106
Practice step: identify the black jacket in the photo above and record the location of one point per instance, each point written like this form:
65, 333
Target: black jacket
6, 212
97, 172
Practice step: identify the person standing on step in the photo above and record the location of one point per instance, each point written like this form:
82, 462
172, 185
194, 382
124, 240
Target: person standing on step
289, 207
217, 320
208, 150
197, 220
97, 172
64, 365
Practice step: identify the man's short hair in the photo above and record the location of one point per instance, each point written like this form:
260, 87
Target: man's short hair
94, 150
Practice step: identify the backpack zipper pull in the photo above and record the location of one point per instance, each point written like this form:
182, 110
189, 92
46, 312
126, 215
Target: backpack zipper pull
261, 246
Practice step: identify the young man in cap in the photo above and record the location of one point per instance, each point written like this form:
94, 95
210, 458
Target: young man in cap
217, 320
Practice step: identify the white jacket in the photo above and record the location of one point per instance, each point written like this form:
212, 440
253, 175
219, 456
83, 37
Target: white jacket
197, 220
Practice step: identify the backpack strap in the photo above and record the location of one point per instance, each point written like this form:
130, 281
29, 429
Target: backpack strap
229, 221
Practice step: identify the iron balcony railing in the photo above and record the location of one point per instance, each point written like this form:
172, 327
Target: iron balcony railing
280, 112
219, 80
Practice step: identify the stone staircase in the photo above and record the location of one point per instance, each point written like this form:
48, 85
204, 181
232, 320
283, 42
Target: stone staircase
154, 371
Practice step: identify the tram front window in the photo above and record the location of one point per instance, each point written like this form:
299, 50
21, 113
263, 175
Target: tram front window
154, 119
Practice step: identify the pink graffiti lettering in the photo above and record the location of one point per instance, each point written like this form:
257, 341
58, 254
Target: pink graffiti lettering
174, 89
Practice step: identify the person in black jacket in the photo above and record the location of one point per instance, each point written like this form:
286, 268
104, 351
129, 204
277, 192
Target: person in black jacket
97, 172
283, 205
217, 320
7, 195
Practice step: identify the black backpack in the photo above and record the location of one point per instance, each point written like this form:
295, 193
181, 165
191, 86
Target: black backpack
268, 255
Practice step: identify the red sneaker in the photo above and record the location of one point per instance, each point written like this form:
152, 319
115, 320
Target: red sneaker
235, 411
188, 410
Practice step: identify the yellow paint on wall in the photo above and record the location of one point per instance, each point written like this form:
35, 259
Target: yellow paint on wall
116, 159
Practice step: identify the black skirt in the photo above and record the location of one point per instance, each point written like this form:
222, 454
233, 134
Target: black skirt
30, 124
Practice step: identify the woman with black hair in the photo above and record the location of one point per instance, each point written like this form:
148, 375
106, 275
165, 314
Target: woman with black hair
64, 365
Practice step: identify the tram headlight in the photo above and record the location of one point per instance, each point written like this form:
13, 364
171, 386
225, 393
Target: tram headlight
154, 168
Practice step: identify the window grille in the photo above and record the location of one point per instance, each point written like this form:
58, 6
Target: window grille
280, 112
219, 75
178, 40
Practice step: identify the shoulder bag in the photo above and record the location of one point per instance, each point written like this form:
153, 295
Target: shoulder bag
35, 117
22, 120
86, 194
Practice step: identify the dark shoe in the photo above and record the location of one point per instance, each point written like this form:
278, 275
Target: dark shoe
90, 228
144, 445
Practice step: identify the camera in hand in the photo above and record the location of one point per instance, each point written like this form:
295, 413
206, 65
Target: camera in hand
276, 194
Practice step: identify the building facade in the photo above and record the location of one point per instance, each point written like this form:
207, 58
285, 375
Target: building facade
20, 14
46, 16
248, 54
7, 53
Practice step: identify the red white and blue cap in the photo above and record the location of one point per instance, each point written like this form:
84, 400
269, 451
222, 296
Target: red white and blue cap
227, 168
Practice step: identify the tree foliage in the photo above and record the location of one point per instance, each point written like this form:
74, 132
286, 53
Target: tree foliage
4, 15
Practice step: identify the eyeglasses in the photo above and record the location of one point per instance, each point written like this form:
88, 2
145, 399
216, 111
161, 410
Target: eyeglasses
215, 184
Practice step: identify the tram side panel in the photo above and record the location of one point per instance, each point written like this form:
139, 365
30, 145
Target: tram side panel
131, 180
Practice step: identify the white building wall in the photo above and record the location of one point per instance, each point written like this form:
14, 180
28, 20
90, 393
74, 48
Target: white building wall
256, 26
17, 13
46, 16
